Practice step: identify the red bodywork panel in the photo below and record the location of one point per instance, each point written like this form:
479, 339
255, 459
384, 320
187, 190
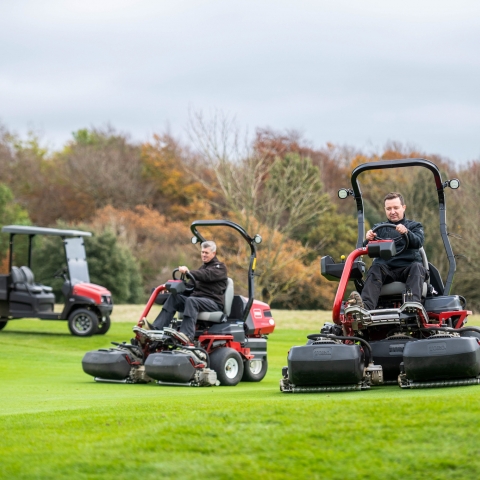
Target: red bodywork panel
338, 318
263, 324
347, 269
90, 290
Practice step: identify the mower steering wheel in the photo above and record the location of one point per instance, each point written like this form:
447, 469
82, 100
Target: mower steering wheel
396, 239
188, 279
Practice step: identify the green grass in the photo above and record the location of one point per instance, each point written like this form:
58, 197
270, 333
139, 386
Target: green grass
55, 422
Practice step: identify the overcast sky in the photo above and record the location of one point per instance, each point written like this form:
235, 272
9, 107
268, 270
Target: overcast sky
348, 72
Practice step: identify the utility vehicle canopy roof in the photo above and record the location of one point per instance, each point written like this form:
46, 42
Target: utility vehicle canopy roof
22, 230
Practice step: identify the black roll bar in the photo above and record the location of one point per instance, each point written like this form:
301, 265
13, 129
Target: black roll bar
253, 252
410, 162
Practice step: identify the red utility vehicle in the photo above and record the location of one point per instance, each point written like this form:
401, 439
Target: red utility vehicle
87, 306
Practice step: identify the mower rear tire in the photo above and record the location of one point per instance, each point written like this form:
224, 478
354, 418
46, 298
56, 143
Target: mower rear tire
83, 323
104, 326
254, 370
3, 324
228, 364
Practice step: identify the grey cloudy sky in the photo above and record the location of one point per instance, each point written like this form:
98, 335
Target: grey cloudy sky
349, 72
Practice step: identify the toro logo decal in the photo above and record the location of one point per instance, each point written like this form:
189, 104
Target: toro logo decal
396, 349
437, 348
257, 313
322, 353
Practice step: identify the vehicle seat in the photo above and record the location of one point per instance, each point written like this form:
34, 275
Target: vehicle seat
218, 317
18, 279
25, 297
397, 288
30, 281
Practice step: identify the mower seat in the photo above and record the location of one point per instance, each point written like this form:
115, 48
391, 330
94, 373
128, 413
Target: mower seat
30, 281
398, 288
218, 317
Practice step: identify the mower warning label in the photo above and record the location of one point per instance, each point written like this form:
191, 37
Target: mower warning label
322, 353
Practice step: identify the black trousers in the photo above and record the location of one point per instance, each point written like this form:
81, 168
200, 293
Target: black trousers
413, 276
190, 306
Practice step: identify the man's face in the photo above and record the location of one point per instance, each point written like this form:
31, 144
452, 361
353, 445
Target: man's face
394, 209
207, 255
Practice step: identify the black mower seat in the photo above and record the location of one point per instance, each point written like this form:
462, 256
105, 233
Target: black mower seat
397, 288
30, 281
218, 317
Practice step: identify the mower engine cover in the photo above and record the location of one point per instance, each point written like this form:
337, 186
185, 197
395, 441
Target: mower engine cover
326, 364
443, 303
440, 358
109, 364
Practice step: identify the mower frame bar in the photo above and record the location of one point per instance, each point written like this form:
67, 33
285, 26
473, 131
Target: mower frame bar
253, 253
411, 162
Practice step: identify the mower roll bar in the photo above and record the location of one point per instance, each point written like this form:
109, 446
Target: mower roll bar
411, 162
253, 252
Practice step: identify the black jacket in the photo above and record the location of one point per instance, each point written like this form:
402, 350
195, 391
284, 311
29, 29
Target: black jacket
211, 281
416, 238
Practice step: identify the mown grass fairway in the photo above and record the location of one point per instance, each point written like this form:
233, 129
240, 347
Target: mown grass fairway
56, 422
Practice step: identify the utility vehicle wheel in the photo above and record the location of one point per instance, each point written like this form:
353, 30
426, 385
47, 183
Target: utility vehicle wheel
104, 326
3, 323
254, 370
83, 323
228, 364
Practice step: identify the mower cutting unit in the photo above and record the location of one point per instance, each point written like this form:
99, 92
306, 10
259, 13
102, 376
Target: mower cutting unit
417, 344
230, 345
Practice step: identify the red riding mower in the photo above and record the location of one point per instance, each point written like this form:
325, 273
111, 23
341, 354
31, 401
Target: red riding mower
230, 345
418, 345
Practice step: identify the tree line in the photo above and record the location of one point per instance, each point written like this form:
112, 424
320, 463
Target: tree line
140, 198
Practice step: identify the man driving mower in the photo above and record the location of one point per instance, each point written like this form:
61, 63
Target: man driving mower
207, 296
406, 267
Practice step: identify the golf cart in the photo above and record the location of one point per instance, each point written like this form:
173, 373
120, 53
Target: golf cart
87, 306
230, 345
415, 344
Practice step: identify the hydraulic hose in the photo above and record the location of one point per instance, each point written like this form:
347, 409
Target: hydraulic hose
314, 336
452, 330
186, 347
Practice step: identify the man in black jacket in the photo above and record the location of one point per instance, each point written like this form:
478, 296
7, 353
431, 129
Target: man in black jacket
406, 267
208, 295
